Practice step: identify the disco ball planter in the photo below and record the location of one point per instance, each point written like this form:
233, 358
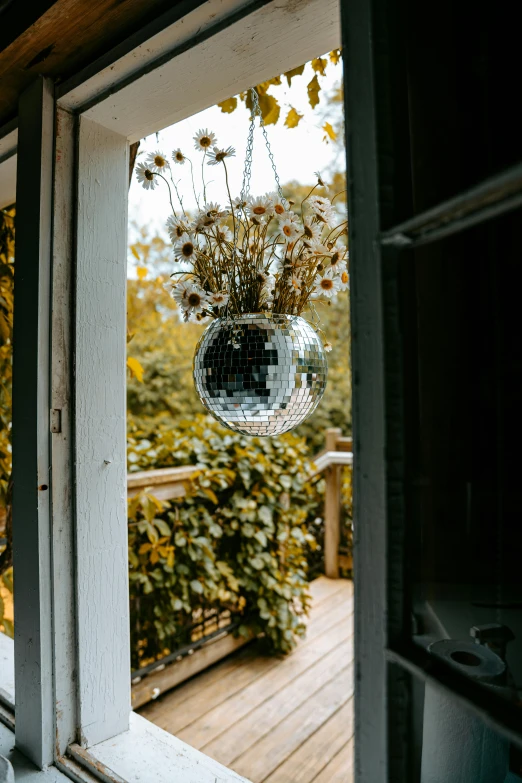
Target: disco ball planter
260, 373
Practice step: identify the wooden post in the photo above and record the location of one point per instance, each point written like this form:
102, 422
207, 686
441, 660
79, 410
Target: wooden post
332, 510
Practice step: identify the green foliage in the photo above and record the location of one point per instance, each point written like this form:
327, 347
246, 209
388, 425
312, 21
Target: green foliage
238, 540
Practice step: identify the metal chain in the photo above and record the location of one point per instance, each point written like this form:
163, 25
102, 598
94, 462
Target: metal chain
247, 174
256, 112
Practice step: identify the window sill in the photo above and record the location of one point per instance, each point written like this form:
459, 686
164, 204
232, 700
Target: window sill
144, 754
147, 754
24, 769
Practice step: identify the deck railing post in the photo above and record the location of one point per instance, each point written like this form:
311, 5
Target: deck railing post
332, 509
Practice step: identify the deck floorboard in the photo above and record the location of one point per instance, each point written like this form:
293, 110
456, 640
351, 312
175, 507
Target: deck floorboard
276, 719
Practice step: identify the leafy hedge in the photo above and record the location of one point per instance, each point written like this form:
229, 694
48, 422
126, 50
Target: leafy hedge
239, 539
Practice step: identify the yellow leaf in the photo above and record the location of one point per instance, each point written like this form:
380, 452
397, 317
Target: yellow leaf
228, 106
142, 272
319, 65
170, 558
335, 56
270, 109
262, 88
329, 131
294, 72
144, 548
314, 88
292, 118
210, 494
135, 252
154, 557
135, 368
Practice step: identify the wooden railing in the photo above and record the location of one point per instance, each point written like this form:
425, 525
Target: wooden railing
170, 483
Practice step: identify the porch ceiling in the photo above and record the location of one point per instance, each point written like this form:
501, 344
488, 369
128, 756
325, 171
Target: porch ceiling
57, 39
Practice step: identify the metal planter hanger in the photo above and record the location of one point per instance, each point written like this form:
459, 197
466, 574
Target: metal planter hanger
260, 373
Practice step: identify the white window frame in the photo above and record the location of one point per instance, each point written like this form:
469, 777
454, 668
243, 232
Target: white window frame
71, 647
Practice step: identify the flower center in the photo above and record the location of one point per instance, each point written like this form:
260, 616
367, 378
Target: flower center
308, 232
194, 299
179, 156
179, 231
187, 249
287, 231
344, 277
335, 258
279, 209
149, 175
205, 141
259, 210
160, 161
326, 283
221, 156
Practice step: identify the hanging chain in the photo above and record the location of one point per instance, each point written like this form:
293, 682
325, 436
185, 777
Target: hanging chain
256, 112
247, 174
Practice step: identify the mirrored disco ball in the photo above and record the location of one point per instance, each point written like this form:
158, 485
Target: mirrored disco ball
260, 374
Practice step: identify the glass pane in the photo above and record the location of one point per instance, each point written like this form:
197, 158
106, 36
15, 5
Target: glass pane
464, 373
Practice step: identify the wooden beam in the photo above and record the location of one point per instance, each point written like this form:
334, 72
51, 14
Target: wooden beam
68, 36
264, 43
31, 396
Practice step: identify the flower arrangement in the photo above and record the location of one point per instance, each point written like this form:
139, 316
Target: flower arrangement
254, 255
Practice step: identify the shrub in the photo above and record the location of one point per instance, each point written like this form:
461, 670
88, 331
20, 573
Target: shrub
238, 539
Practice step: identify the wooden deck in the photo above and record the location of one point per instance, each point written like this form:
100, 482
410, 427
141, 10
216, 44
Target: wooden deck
272, 719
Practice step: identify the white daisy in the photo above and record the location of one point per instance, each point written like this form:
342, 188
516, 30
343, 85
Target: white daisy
194, 301
221, 234
185, 248
318, 249
343, 280
145, 176
288, 228
327, 216
294, 282
319, 203
277, 203
260, 207
218, 156
338, 254
157, 161
328, 284
312, 232
169, 287
178, 157
204, 140
180, 292
238, 203
219, 300
176, 228
323, 209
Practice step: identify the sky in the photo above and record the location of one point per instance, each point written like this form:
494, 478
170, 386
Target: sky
298, 152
